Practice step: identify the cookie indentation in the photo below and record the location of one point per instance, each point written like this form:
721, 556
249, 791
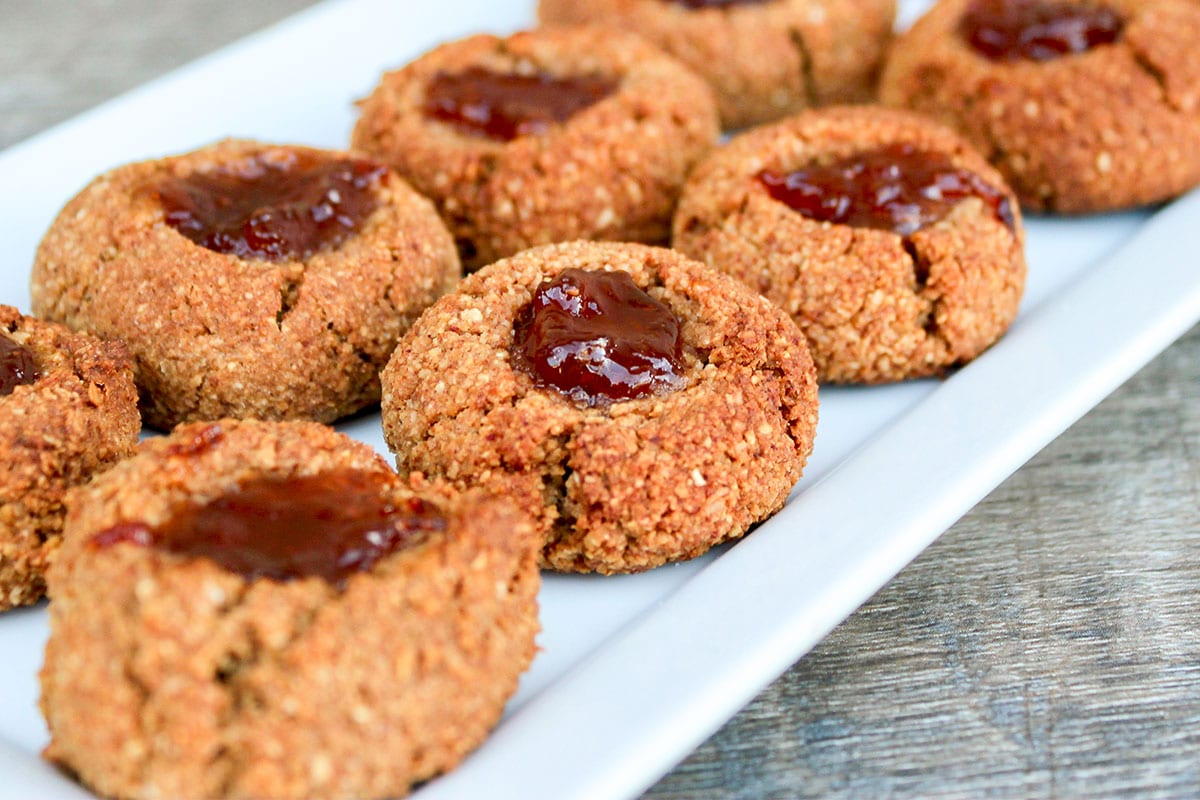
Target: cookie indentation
597, 338
896, 187
330, 525
288, 206
1038, 30
503, 106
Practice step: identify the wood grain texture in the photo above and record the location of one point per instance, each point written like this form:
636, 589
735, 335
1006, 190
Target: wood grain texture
1046, 646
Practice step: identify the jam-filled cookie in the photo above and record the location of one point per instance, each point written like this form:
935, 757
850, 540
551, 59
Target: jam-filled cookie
248, 280
890, 241
257, 609
544, 136
1083, 105
68, 410
642, 406
764, 58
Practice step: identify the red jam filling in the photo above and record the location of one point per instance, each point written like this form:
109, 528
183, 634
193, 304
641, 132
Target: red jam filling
896, 188
503, 106
597, 338
330, 526
1037, 30
273, 208
17, 367
696, 4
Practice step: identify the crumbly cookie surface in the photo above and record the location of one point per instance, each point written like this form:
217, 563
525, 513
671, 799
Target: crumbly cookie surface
168, 676
612, 171
78, 418
217, 335
874, 306
641, 482
764, 60
1113, 127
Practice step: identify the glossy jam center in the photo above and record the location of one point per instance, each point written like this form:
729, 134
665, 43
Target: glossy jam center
1037, 30
273, 209
597, 338
504, 106
330, 525
717, 3
896, 188
17, 367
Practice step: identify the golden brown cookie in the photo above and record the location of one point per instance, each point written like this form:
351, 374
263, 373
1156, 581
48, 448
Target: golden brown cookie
281, 304
252, 609
666, 413
925, 292
765, 59
1110, 126
543, 136
68, 410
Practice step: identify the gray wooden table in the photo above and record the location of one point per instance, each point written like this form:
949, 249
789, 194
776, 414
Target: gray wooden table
1048, 645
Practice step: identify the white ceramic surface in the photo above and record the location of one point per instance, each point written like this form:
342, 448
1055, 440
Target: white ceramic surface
636, 671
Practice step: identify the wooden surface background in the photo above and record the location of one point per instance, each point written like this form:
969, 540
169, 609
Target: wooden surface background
1047, 646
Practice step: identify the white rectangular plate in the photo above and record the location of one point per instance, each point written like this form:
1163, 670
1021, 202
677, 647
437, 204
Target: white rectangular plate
636, 671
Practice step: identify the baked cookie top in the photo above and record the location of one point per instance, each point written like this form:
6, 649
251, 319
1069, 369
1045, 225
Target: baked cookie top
765, 59
339, 632
1082, 106
892, 243
68, 410
713, 438
247, 279
578, 133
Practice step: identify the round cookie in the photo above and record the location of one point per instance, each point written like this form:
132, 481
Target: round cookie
68, 410
259, 661
270, 324
543, 136
765, 60
876, 305
1113, 126
690, 459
